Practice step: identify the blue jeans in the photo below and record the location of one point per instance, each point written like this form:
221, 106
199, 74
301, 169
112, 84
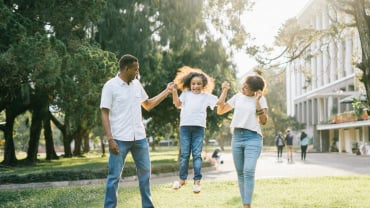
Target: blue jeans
246, 148
140, 153
191, 140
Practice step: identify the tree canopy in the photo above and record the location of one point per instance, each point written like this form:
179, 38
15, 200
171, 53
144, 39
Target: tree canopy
55, 57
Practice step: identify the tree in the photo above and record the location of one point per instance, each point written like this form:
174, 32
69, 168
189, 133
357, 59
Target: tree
358, 10
295, 38
166, 35
36, 71
79, 95
49, 32
64, 61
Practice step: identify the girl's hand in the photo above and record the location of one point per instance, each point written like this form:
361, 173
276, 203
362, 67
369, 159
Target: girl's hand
171, 86
225, 85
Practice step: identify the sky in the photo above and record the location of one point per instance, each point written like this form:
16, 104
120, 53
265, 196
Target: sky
264, 22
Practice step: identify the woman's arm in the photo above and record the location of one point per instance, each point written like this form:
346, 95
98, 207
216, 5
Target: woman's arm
261, 112
262, 115
223, 107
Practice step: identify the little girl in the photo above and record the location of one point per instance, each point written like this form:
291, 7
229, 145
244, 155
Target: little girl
193, 102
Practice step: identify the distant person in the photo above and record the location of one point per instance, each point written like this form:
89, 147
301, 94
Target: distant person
279, 142
304, 143
250, 111
334, 147
194, 100
121, 101
289, 145
216, 155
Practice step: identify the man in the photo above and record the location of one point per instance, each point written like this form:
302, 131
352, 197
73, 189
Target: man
289, 145
121, 102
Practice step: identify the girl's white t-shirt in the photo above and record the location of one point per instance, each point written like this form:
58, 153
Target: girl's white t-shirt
194, 108
245, 112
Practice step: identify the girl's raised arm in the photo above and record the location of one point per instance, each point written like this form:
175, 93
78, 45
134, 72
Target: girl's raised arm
223, 107
175, 97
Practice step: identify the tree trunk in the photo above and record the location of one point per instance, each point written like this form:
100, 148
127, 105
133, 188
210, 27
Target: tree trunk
65, 134
12, 110
86, 140
67, 146
78, 143
35, 132
50, 151
102, 146
9, 149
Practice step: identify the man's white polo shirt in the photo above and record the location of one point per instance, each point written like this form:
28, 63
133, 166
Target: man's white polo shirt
124, 102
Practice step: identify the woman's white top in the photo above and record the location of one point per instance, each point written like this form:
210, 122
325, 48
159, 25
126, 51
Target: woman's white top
194, 108
245, 112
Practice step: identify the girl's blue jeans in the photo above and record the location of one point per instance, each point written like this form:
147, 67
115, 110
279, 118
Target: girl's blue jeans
246, 149
191, 141
140, 152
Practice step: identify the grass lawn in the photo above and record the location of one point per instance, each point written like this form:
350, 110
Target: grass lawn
325, 192
90, 161
90, 166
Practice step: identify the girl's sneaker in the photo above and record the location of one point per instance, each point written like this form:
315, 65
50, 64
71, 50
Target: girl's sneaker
177, 184
196, 188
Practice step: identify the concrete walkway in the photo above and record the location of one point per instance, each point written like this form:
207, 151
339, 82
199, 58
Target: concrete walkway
316, 164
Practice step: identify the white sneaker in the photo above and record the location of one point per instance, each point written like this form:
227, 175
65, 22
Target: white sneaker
196, 188
176, 185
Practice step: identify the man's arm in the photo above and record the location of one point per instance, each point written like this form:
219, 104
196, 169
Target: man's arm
105, 120
152, 102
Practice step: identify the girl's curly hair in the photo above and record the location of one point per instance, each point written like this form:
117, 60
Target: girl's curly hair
186, 74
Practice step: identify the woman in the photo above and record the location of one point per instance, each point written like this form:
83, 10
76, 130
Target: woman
304, 142
279, 141
250, 110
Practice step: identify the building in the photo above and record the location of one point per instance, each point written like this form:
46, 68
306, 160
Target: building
320, 88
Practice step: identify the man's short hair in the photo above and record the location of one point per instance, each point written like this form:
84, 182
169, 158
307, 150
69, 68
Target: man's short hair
126, 60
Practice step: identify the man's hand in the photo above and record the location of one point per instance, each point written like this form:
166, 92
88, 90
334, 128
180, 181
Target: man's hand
113, 147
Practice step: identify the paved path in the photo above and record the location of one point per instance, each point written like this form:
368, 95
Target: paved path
317, 164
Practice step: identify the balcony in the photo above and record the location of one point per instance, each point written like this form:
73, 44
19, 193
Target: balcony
345, 120
348, 116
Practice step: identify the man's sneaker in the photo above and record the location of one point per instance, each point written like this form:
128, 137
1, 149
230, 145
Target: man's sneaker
196, 188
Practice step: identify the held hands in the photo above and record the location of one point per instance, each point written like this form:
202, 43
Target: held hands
171, 86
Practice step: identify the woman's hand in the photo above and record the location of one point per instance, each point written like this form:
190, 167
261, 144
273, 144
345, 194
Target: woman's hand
258, 94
